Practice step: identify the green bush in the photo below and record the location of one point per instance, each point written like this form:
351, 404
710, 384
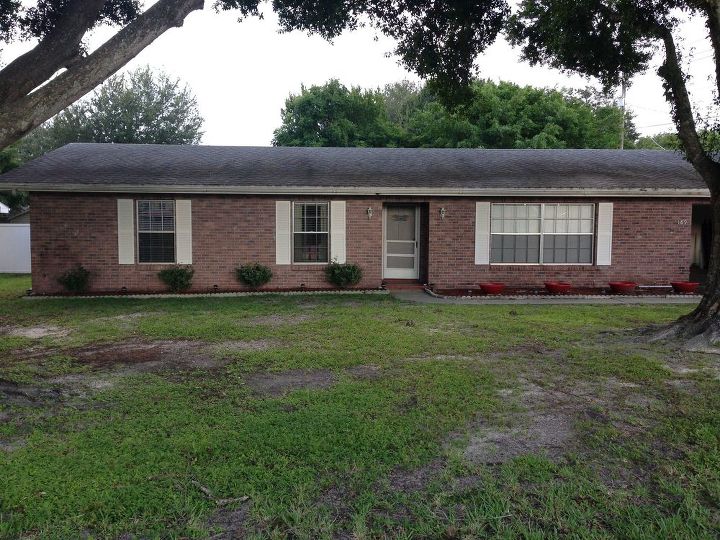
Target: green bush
343, 275
253, 275
75, 280
177, 278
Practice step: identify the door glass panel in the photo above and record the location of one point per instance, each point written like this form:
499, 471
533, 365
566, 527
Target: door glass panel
400, 262
401, 248
400, 224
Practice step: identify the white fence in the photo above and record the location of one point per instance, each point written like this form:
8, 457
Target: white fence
15, 248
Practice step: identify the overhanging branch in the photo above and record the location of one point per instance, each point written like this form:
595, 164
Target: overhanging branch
60, 45
86, 73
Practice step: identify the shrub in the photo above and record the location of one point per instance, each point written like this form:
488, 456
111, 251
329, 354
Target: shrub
75, 280
253, 275
343, 275
177, 278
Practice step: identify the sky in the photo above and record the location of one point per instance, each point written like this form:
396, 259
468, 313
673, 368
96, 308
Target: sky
242, 72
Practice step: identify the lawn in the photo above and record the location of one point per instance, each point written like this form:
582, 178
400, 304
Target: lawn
350, 416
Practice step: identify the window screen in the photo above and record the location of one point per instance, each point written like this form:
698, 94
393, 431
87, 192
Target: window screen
156, 231
537, 233
311, 233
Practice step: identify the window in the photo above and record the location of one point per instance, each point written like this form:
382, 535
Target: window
568, 233
542, 233
156, 231
311, 233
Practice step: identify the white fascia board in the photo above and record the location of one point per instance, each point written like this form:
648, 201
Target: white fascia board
368, 191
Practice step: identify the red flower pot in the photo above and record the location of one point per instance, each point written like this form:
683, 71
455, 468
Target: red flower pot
686, 287
623, 287
557, 287
492, 288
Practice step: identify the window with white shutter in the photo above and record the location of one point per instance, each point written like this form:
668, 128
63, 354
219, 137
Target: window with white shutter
156, 231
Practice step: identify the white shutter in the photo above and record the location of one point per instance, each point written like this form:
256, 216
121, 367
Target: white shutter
126, 231
183, 231
282, 232
604, 236
337, 231
482, 233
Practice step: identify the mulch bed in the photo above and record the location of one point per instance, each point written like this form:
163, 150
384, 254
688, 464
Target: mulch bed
541, 291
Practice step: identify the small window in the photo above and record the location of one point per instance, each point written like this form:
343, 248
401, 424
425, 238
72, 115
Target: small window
542, 233
156, 231
311, 233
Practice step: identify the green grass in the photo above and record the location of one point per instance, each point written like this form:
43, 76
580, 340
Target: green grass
371, 457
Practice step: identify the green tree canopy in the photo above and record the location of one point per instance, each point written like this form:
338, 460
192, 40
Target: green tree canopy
137, 107
333, 115
497, 115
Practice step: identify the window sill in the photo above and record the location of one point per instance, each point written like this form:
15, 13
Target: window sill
308, 266
541, 264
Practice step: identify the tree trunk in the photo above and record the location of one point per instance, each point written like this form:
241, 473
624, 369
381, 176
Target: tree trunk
700, 329
20, 116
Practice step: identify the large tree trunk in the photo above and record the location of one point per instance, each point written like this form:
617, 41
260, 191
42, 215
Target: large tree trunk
21, 113
700, 329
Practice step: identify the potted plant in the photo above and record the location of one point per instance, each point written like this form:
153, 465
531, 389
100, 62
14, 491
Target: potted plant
557, 287
492, 287
685, 287
623, 287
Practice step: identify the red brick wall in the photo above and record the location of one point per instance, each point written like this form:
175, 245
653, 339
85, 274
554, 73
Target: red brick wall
68, 230
651, 244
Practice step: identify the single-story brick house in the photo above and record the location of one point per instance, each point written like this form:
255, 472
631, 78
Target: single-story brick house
447, 217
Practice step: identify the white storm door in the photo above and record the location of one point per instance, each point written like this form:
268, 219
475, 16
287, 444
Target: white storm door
401, 242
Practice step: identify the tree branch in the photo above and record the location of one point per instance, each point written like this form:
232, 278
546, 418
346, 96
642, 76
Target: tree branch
677, 94
713, 24
86, 73
61, 44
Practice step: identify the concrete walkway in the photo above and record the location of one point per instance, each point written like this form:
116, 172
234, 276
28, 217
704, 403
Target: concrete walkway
421, 297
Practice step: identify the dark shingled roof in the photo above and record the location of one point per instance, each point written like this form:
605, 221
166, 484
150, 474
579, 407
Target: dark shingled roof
101, 167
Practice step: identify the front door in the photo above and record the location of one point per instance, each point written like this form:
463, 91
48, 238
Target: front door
401, 242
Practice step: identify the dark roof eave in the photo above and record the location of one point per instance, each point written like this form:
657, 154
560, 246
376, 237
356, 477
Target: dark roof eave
364, 190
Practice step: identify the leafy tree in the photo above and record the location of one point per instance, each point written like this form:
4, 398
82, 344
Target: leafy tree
613, 40
660, 141
402, 99
439, 40
333, 115
138, 107
502, 115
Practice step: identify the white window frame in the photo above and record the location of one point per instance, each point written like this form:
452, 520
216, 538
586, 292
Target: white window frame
293, 232
542, 234
138, 231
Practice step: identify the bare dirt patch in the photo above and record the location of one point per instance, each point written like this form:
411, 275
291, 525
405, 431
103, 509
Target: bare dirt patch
549, 433
542, 418
278, 384
101, 366
152, 356
366, 372
25, 395
34, 332
418, 479
230, 523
